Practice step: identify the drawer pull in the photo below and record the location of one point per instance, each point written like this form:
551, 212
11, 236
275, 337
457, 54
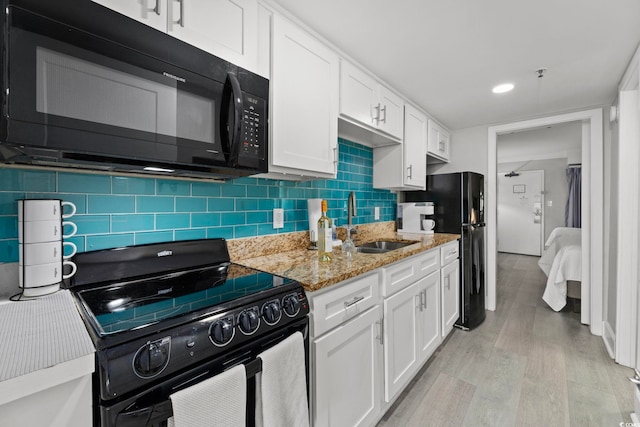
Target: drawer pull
355, 300
380, 336
454, 252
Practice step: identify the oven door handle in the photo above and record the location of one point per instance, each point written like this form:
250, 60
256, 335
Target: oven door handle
145, 416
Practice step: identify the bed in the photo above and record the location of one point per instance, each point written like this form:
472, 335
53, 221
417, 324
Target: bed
561, 261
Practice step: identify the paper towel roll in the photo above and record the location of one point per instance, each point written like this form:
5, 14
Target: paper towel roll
315, 212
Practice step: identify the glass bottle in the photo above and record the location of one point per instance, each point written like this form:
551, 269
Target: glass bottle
325, 241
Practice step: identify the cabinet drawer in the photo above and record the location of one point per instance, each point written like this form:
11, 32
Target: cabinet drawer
449, 252
343, 301
403, 273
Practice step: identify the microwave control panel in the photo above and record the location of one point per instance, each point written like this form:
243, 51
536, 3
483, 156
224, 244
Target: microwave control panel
253, 136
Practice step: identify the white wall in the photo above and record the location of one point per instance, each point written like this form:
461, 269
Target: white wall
553, 142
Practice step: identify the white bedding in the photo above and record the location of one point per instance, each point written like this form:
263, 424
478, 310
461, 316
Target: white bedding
561, 261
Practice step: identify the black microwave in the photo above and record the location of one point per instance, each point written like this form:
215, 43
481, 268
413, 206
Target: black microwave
84, 86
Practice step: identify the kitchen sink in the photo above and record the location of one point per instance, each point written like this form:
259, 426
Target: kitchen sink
382, 246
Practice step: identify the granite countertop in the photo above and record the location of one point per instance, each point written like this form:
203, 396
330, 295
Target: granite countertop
302, 265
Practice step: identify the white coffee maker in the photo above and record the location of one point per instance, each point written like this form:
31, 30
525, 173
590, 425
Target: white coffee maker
414, 217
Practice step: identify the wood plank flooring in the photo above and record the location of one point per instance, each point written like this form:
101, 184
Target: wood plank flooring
526, 365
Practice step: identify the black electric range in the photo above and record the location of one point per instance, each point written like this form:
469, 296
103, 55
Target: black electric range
164, 316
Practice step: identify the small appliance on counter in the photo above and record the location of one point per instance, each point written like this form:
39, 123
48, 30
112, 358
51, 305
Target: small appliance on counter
41, 225
415, 217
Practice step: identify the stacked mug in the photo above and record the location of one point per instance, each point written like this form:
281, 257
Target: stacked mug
41, 225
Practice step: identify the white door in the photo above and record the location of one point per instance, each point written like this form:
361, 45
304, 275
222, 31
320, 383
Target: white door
400, 340
304, 85
520, 208
429, 315
149, 12
450, 296
348, 373
415, 147
225, 28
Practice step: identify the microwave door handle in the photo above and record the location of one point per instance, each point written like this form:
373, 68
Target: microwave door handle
238, 110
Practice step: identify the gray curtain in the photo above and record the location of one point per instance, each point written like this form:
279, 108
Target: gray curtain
573, 214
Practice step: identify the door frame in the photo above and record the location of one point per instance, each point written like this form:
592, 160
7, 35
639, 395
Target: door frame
542, 202
592, 208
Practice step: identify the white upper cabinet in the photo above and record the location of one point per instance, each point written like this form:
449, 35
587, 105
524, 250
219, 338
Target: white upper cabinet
404, 166
225, 28
365, 102
304, 105
438, 147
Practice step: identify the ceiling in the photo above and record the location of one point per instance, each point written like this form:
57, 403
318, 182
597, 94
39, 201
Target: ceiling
446, 55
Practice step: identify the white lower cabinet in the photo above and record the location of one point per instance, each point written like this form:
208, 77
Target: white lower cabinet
450, 296
450, 280
411, 331
370, 335
347, 383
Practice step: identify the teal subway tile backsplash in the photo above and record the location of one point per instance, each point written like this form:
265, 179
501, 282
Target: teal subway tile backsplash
114, 211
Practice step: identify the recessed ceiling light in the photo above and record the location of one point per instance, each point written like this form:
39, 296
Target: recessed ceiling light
506, 87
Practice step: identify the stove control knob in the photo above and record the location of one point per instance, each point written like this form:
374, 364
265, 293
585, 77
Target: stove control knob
152, 358
291, 305
249, 321
271, 312
221, 332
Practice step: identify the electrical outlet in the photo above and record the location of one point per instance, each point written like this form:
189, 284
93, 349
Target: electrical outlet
278, 218
549, 203
376, 213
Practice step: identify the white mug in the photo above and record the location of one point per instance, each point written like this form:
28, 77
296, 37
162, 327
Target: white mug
32, 276
44, 231
44, 209
428, 224
45, 253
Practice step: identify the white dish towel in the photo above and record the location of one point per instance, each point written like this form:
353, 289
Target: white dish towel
281, 388
219, 401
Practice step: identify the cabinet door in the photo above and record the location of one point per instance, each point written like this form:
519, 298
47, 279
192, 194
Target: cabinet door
450, 277
415, 147
438, 145
429, 315
400, 346
346, 375
304, 119
358, 94
225, 28
149, 12
391, 114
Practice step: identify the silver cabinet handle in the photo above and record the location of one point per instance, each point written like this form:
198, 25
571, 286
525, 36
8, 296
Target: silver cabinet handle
410, 171
453, 252
335, 155
384, 110
355, 300
447, 282
441, 146
157, 8
419, 301
180, 20
380, 336
376, 118
636, 378
425, 298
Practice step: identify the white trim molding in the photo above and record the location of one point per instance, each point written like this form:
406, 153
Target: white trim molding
592, 209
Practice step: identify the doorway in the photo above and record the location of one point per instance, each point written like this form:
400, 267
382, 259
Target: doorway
592, 216
520, 218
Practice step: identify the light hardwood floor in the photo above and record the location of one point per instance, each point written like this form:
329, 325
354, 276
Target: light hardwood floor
526, 365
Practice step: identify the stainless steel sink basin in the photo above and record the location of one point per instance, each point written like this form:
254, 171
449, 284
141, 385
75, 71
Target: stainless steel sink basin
382, 246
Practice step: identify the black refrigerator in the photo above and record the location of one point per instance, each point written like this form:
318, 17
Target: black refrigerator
459, 208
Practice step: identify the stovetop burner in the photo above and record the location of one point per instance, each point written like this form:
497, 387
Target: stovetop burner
135, 304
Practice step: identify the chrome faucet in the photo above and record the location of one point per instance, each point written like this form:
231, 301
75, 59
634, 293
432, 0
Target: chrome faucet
351, 208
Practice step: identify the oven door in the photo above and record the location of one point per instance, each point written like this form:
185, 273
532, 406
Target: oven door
93, 100
152, 407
